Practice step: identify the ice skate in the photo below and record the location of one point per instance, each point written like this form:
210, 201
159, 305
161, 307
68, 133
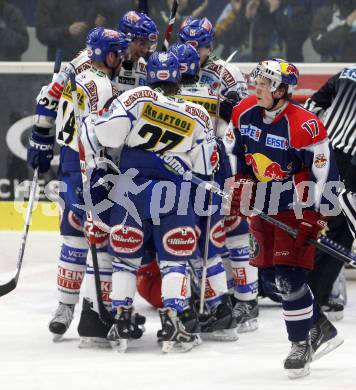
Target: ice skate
190, 320
61, 320
324, 338
246, 313
333, 310
220, 324
174, 337
92, 330
298, 360
126, 326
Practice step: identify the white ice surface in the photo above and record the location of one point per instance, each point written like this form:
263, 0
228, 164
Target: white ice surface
29, 360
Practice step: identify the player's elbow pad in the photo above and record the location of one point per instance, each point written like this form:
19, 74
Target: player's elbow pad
112, 133
204, 159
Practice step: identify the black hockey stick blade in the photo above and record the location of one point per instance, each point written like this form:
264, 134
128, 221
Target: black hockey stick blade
9, 286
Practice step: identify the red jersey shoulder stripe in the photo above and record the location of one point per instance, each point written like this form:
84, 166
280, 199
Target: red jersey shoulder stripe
305, 128
243, 106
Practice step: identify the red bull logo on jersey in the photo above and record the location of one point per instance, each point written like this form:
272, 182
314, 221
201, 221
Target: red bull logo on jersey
320, 160
265, 169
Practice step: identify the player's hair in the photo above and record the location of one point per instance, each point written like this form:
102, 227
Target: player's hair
168, 89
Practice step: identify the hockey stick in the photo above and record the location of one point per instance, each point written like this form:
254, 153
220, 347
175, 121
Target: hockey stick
325, 244
210, 199
104, 315
11, 285
169, 30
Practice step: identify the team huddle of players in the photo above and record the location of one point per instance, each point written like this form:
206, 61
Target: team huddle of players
143, 126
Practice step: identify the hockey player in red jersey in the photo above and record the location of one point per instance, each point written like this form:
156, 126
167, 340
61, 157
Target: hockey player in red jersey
281, 152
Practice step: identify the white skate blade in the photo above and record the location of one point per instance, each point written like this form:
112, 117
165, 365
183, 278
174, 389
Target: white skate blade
298, 372
93, 342
57, 337
119, 345
248, 326
335, 315
176, 347
327, 347
221, 335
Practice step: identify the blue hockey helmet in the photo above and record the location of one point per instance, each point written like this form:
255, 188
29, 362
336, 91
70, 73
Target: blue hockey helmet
162, 67
102, 41
197, 32
188, 58
138, 25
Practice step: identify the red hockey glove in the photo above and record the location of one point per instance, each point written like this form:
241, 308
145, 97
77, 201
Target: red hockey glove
244, 193
310, 226
149, 284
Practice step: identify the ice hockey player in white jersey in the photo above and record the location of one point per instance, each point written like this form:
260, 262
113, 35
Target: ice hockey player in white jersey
143, 33
219, 323
242, 278
105, 51
159, 132
200, 33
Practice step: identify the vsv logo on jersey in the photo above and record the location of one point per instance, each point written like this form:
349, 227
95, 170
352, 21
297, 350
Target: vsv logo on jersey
274, 141
251, 132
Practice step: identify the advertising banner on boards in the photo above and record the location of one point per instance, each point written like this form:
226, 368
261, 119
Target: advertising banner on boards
17, 104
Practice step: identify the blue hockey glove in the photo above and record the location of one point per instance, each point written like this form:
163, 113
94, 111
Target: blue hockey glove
40, 150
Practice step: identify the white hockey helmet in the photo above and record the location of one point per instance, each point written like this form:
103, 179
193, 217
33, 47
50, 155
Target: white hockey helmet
279, 72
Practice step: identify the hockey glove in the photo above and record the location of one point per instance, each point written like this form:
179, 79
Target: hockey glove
225, 109
310, 226
40, 149
244, 193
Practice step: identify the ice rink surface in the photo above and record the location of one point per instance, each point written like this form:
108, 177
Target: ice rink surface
29, 360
